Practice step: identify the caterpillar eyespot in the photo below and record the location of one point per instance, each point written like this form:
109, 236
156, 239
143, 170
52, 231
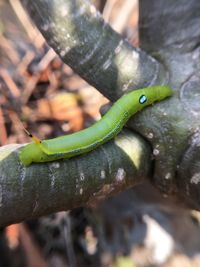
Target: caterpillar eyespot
142, 99
102, 131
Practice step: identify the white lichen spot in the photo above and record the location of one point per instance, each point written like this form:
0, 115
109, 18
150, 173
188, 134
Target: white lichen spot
118, 48
55, 165
150, 135
124, 87
68, 35
67, 49
23, 174
106, 64
1, 196
77, 185
52, 178
168, 176
52, 181
82, 176
22, 178
121, 174
81, 191
156, 152
45, 27
64, 11
103, 174
52, 25
62, 53
195, 178
135, 55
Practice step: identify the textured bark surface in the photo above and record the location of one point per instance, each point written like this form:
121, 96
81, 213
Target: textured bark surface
40, 189
77, 32
169, 30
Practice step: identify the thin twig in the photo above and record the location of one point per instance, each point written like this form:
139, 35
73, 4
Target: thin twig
25, 61
10, 83
32, 32
108, 9
7, 47
3, 132
47, 58
17, 125
126, 10
32, 82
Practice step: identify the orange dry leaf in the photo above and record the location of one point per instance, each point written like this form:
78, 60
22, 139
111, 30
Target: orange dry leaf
34, 257
12, 235
62, 107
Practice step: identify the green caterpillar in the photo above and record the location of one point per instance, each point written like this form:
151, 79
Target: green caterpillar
88, 139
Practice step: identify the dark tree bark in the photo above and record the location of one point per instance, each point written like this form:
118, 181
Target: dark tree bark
40, 189
169, 31
77, 32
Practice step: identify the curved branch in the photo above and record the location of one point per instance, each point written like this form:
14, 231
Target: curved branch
77, 32
170, 30
61, 185
172, 25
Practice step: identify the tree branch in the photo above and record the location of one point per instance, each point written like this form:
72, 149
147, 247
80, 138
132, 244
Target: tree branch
77, 32
29, 192
170, 25
170, 31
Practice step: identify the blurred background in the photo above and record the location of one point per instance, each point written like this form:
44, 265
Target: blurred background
38, 91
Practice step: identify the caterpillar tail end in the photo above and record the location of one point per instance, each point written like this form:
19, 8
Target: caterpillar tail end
24, 158
30, 153
29, 150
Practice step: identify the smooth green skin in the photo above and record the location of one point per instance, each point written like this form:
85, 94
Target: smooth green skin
108, 127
